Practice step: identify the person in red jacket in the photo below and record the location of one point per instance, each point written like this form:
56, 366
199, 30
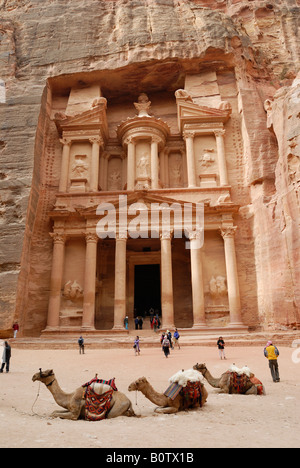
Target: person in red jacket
16, 328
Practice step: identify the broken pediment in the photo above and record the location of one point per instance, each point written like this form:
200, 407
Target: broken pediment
190, 113
94, 119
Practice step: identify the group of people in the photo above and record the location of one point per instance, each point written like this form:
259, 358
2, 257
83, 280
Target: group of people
167, 341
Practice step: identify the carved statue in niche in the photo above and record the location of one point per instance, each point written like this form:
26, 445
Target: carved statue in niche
143, 105
79, 167
115, 181
218, 287
176, 171
73, 291
143, 166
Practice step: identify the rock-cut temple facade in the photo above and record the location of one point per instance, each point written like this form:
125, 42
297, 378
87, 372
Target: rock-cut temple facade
150, 165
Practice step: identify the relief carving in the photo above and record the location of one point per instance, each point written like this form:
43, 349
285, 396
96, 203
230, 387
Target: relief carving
218, 286
73, 291
208, 158
80, 167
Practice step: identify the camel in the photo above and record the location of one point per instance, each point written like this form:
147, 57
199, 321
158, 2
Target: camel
165, 404
74, 403
225, 381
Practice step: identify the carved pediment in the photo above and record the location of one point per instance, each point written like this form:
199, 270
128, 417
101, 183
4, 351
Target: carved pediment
191, 113
93, 119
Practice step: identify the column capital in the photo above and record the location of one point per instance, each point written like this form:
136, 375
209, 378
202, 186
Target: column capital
155, 139
130, 139
91, 237
65, 141
166, 235
228, 232
219, 132
58, 237
121, 236
98, 140
188, 134
194, 234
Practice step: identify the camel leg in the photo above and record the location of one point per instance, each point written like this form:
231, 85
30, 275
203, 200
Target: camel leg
64, 415
119, 409
166, 410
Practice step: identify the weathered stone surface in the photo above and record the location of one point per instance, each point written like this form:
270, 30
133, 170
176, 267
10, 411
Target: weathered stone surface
128, 45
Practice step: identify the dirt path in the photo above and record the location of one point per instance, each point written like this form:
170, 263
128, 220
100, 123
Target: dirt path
226, 420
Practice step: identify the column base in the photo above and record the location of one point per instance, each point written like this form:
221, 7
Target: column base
237, 326
199, 326
167, 327
87, 328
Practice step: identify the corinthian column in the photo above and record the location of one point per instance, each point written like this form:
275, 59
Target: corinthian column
56, 279
221, 156
197, 282
167, 302
65, 162
95, 162
191, 166
88, 318
120, 282
154, 163
130, 164
232, 276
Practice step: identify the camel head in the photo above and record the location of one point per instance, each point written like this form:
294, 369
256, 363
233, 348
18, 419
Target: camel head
138, 384
43, 376
200, 368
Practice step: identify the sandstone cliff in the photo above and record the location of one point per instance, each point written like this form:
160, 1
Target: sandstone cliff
85, 40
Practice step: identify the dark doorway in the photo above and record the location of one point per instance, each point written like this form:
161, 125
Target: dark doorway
147, 289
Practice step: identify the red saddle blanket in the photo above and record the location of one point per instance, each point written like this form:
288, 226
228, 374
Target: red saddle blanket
240, 383
192, 393
97, 406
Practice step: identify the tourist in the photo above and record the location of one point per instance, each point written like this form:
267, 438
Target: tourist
126, 321
81, 345
141, 321
176, 337
137, 346
136, 323
166, 345
271, 353
169, 335
221, 347
155, 324
16, 328
5, 357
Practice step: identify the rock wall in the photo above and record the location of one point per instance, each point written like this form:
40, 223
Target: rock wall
74, 41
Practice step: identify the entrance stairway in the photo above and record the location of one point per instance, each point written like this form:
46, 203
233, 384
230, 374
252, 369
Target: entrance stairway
188, 337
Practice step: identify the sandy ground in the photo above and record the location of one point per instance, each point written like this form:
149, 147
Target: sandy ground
225, 421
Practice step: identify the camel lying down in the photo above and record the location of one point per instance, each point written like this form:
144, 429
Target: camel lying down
251, 385
74, 403
165, 404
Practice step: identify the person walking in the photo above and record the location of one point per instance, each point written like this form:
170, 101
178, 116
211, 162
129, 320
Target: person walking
221, 347
6, 357
176, 337
137, 346
126, 321
16, 328
271, 353
166, 345
136, 323
81, 345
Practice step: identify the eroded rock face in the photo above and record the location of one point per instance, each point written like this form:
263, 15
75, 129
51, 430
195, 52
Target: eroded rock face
127, 45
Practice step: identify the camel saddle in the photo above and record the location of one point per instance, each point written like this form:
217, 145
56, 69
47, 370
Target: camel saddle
191, 393
97, 406
239, 382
